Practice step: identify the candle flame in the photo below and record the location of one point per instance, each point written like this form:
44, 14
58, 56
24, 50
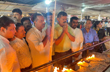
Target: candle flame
67, 70
56, 69
64, 69
81, 62
90, 57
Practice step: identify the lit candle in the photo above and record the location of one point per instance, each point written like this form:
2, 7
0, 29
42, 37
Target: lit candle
90, 57
64, 69
80, 63
56, 69
67, 70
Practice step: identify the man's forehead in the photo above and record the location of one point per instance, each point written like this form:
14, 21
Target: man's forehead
49, 16
16, 13
75, 20
63, 16
11, 25
40, 17
26, 21
88, 21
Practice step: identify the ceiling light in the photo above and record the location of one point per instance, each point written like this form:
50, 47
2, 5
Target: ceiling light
83, 9
48, 1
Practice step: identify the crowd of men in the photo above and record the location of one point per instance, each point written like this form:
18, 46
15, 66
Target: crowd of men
25, 46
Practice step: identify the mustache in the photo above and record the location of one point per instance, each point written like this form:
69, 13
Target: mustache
14, 17
64, 22
28, 26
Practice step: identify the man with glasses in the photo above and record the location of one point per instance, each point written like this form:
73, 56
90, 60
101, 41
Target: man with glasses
90, 36
78, 43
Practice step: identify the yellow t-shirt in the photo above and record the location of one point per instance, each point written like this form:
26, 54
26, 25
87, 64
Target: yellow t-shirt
65, 44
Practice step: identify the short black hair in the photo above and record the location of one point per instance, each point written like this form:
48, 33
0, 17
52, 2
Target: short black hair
18, 25
62, 13
48, 14
34, 16
17, 10
5, 21
73, 18
96, 23
24, 19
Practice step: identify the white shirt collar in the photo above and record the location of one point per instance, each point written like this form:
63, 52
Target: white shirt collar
43, 32
5, 39
74, 29
37, 29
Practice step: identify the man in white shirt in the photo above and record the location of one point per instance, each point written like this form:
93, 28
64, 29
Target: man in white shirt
19, 45
78, 43
38, 42
103, 23
8, 57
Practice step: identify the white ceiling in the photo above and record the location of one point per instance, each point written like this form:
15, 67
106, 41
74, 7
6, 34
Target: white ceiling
73, 7
94, 7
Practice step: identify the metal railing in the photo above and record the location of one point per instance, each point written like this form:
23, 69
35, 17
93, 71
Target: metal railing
64, 57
